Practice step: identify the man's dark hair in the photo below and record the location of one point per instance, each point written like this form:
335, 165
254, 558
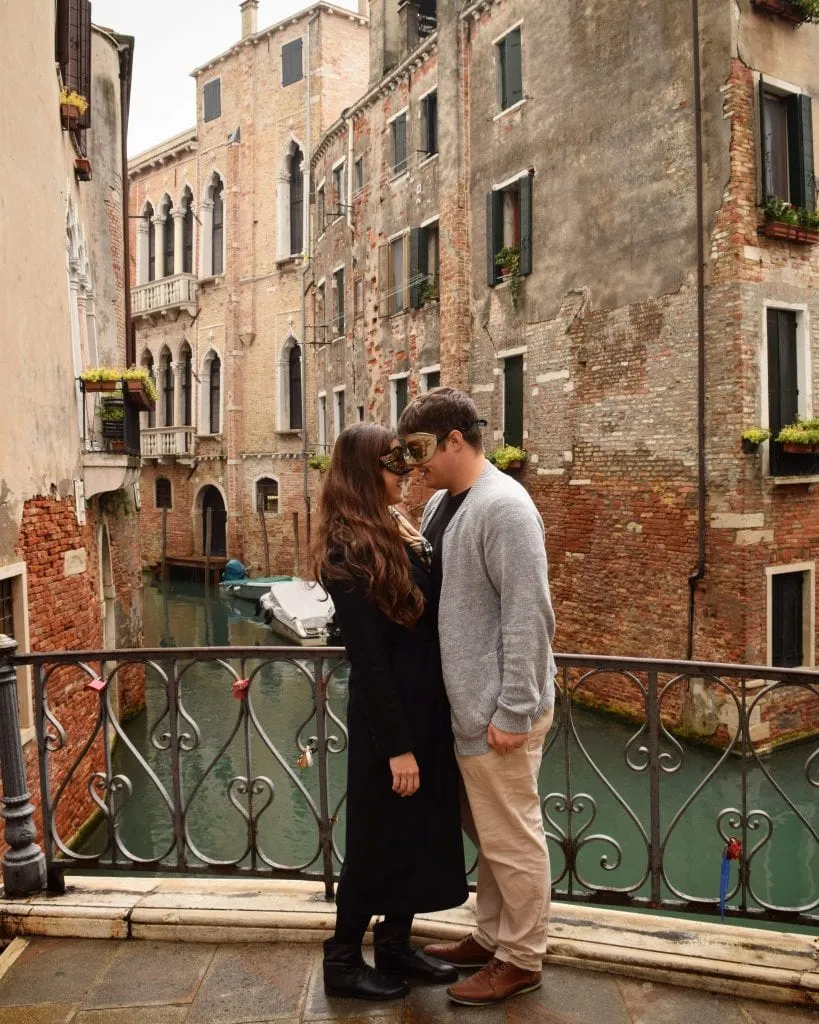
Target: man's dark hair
440, 411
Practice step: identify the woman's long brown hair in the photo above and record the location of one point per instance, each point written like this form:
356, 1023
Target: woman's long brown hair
357, 539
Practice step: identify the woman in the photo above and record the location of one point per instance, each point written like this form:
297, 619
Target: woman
404, 852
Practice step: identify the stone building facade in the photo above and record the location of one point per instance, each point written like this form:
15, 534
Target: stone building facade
498, 125
220, 219
70, 573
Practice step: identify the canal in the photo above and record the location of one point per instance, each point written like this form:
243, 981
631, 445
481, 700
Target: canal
784, 869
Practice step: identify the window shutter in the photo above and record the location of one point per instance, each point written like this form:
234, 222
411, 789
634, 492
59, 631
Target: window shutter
399, 128
783, 385
384, 279
787, 619
212, 100
763, 143
84, 70
514, 74
494, 234
292, 62
526, 224
800, 152
417, 272
513, 401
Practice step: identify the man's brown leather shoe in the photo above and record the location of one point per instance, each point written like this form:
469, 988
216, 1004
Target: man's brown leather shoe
496, 981
465, 953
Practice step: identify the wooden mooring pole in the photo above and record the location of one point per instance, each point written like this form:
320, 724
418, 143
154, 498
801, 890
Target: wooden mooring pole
208, 541
265, 545
297, 568
163, 567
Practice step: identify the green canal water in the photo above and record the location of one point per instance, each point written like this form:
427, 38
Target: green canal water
784, 870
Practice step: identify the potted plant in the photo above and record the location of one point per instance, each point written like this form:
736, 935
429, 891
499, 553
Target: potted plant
112, 416
72, 107
139, 384
507, 457
101, 378
796, 11
428, 291
319, 462
753, 438
82, 168
508, 259
801, 437
796, 223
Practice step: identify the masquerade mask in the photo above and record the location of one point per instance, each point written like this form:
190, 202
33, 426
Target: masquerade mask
420, 447
395, 461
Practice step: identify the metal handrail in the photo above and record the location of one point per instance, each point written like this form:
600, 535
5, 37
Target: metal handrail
76, 763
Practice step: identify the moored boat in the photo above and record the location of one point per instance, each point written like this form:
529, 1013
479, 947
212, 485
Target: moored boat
299, 611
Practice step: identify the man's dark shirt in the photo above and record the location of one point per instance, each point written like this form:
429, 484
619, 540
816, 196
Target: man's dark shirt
435, 535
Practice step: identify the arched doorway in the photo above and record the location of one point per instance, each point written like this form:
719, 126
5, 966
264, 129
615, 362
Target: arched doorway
213, 502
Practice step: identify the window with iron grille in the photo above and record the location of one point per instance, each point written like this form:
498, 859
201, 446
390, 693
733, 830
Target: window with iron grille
509, 71
292, 62
212, 100
162, 493
267, 495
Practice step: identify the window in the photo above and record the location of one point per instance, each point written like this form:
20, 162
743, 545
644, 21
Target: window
187, 232
393, 259
424, 264
338, 290
212, 100
292, 62
294, 386
429, 123
320, 210
786, 372
787, 619
73, 50
399, 397
168, 239
358, 175
14, 623
187, 385
167, 378
339, 189
162, 493
513, 400
6, 608
267, 495
338, 410
149, 217
214, 395
786, 135
431, 378
358, 297
321, 311
509, 226
218, 230
398, 129
510, 78
296, 210
148, 364
322, 422
360, 413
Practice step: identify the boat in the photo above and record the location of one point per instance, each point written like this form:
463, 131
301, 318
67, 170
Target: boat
236, 583
299, 611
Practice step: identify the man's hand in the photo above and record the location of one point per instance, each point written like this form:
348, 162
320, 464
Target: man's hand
504, 742
406, 776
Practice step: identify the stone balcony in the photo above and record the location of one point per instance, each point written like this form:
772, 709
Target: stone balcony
169, 295
168, 443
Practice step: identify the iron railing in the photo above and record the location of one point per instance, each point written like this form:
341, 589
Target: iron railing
634, 817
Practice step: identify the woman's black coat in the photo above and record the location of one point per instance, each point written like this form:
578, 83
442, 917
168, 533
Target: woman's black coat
404, 855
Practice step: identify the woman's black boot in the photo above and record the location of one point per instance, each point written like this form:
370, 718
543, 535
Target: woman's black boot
346, 974
395, 955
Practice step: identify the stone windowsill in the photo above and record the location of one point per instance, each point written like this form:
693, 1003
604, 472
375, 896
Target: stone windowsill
213, 279
791, 481
510, 110
428, 160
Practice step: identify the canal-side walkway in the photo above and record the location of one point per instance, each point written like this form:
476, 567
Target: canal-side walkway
147, 950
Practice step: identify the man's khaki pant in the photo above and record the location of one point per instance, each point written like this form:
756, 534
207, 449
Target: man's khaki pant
501, 815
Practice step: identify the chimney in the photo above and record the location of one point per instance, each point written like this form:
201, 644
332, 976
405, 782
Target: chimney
250, 17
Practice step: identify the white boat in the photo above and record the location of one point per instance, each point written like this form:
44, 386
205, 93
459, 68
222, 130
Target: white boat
298, 611
250, 588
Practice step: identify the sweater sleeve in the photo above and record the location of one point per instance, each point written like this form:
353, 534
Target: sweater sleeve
515, 558
364, 634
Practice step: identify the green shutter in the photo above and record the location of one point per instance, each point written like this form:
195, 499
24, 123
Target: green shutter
513, 401
417, 238
526, 224
800, 152
514, 74
763, 142
494, 234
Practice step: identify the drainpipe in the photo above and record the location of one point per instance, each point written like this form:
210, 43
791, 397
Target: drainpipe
124, 103
699, 573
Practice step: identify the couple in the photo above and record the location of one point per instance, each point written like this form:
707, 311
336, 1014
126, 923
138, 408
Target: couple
475, 577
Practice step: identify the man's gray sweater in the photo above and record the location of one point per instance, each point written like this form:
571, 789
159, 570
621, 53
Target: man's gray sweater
495, 618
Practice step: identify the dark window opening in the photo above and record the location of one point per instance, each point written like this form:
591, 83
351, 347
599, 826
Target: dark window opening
292, 62
424, 265
162, 498
433, 379
429, 122
218, 229
148, 364
169, 240
360, 413
338, 288
509, 226
340, 417
358, 177
401, 391
513, 401
296, 203
294, 381
149, 217
510, 77
267, 495
187, 387
73, 50
7, 608
787, 619
214, 395
187, 233
212, 99
167, 392
399, 144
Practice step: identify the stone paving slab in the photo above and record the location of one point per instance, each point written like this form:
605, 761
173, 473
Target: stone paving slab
81, 981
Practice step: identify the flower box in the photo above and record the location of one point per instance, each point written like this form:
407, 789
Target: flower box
82, 169
780, 9
750, 447
139, 395
793, 448
791, 232
69, 115
100, 385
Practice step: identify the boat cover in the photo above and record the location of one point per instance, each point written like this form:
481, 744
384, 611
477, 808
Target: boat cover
306, 602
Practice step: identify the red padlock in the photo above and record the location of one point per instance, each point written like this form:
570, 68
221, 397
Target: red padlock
733, 849
240, 688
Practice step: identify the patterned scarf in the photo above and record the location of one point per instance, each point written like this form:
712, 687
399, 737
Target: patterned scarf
412, 538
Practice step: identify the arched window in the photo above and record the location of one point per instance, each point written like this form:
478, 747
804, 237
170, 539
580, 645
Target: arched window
294, 386
167, 236
290, 205
296, 203
187, 383
187, 232
218, 230
148, 364
267, 495
162, 495
149, 217
214, 395
167, 384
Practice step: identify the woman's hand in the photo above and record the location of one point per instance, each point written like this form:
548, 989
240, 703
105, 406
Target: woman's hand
406, 776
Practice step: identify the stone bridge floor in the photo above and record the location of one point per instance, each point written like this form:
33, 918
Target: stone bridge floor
104, 981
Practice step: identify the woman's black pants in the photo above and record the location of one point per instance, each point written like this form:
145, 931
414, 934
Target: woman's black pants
352, 924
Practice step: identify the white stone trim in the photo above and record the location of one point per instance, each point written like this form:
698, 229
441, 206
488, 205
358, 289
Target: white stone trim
507, 353
506, 31
254, 496
17, 572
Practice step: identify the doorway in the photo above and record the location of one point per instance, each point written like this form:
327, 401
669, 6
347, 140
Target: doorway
213, 508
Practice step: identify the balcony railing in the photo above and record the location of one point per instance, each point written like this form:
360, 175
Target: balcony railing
168, 293
167, 442
633, 817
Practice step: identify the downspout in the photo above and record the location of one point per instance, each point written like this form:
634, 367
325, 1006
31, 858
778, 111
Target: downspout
124, 102
699, 573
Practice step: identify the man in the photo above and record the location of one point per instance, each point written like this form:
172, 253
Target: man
496, 624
